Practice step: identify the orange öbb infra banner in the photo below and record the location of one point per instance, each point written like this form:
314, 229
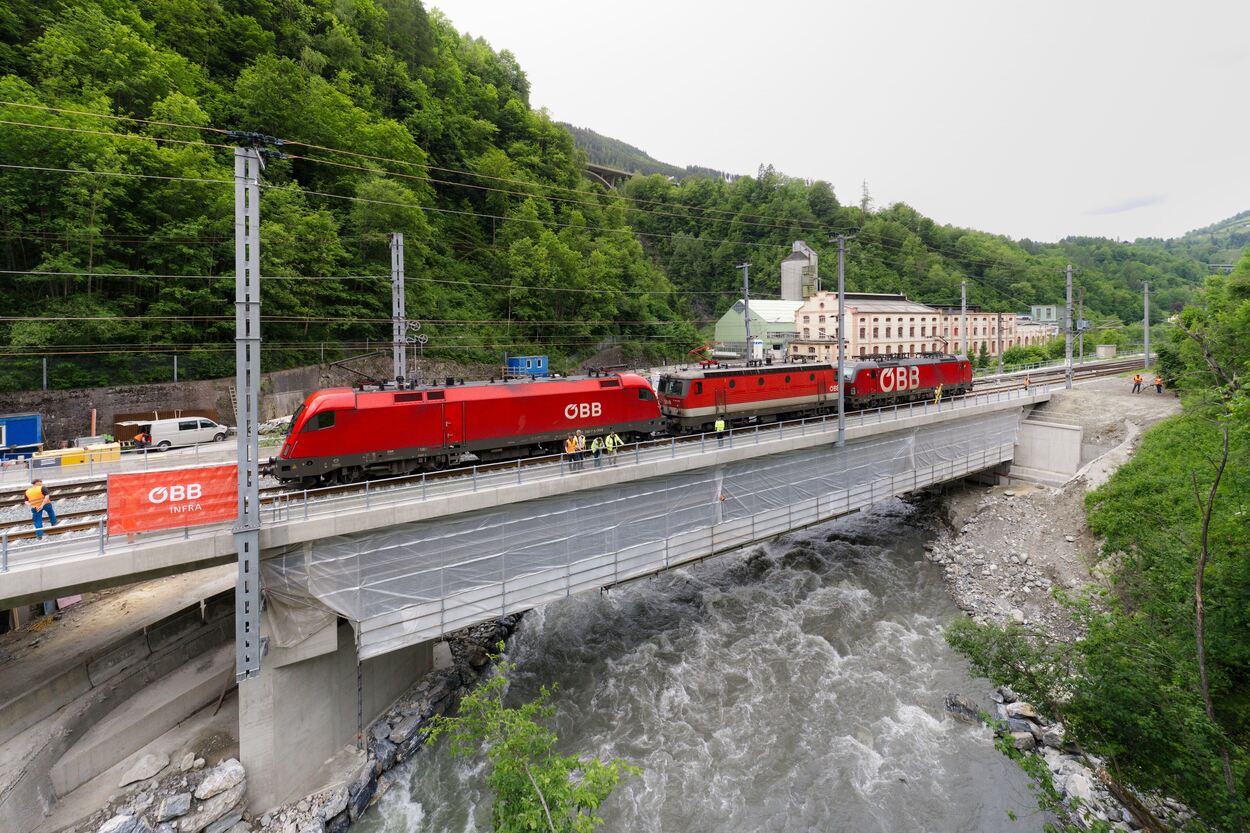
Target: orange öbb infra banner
172, 499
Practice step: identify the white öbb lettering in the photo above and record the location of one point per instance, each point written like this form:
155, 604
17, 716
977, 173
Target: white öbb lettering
582, 410
176, 494
900, 378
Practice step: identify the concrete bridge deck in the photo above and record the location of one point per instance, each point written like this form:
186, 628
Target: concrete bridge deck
37, 571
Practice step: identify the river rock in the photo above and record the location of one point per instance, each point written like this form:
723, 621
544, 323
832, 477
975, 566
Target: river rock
962, 708
339, 824
1024, 710
187, 762
226, 822
144, 768
1024, 741
212, 810
1078, 785
385, 753
361, 790
121, 823
405, 729
477, 655
173, 806
1053, 736
220, 778
334, 803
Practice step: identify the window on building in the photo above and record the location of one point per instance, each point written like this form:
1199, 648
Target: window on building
911, 331
863, 351
876, 350
935, 349
887, 332
807, 319
922, 330
822, 318
874, 320
862, 331
807, 333
874, 332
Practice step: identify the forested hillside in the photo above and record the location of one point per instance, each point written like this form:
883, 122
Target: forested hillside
438, 141
604, 150
116, 203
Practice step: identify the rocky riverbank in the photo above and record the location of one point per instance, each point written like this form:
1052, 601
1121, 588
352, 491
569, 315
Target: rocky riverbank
190, 797
1008, 552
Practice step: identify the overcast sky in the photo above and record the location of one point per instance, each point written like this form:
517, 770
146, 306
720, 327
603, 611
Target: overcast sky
1038, 119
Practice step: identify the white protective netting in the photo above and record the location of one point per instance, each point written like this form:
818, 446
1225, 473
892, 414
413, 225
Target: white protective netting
405, 582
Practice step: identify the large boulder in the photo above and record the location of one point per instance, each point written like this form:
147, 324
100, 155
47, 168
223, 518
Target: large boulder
1021, 709
171, 807
212, 809
962, 708
334, 803
220, 778
1024, 741
120, 823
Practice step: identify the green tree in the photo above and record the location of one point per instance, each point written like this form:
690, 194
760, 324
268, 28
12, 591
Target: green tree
535, 788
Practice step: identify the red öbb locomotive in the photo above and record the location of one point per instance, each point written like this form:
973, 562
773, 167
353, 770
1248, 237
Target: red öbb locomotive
346, 434
693, 399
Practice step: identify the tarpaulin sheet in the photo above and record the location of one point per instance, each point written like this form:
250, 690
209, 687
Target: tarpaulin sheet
377, 578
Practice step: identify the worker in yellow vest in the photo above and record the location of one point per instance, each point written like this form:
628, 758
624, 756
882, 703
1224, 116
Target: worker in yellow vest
719, 426
39, 501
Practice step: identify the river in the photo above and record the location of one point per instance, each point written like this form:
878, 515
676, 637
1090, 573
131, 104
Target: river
793, 687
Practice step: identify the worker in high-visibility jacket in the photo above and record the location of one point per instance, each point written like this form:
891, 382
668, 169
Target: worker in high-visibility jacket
610, 445
40, 502
937, 395
596, 448
719, 425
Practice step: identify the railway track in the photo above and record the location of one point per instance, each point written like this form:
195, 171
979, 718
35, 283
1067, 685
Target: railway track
89, 519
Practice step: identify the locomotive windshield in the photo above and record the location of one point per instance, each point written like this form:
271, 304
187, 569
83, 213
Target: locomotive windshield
294, 419
672, 386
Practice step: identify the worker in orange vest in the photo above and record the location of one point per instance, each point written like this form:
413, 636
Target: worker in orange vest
1158, 384
39, 501
1137, 383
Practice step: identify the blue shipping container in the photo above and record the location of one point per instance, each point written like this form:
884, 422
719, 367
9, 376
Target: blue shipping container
20, 435
524, 367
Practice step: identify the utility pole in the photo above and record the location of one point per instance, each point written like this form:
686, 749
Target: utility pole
842, 238
1080, 326
247, 169
175, 368
746, 305
1145, 321
1067, 332
399, 324
1000, 342
963, 314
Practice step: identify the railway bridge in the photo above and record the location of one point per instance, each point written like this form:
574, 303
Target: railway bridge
361, 584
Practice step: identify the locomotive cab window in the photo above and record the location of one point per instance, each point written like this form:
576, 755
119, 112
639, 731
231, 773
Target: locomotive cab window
646, 395
698, 387
325, 419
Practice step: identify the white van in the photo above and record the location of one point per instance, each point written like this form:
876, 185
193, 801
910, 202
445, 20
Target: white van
183, 431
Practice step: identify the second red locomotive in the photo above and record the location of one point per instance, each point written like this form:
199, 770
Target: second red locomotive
346, 434
693, 399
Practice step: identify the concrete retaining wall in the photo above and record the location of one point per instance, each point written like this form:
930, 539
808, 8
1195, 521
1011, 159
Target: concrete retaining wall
1047, 452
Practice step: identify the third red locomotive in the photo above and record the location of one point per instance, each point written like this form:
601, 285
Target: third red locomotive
693, 399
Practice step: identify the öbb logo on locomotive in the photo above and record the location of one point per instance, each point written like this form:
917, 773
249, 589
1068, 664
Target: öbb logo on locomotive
900, 378
582, 410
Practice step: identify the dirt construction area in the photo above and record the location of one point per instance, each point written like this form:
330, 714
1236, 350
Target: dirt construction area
1007, 546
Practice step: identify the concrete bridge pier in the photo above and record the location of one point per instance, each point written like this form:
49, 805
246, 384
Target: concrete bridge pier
300, 720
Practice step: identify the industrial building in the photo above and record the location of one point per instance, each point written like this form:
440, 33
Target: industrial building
772, 322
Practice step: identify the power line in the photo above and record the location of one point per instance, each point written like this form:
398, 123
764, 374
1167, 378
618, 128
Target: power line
113, 135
